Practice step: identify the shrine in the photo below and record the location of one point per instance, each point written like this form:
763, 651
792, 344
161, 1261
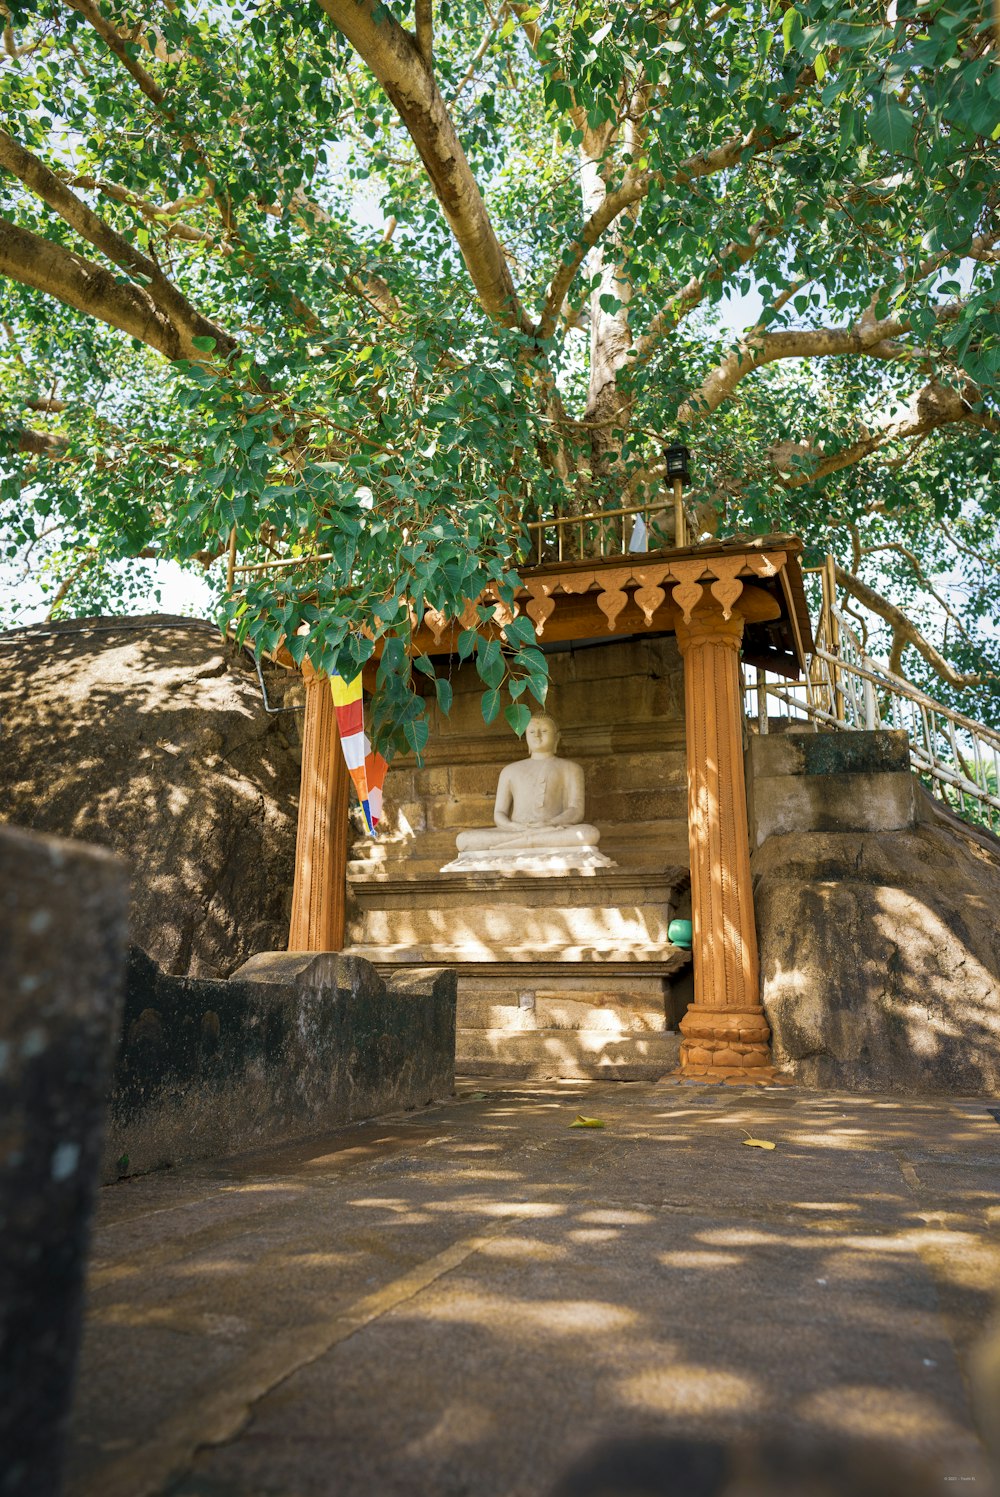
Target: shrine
570, 969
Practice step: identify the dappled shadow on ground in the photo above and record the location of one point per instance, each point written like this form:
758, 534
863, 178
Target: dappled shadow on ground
474, 1299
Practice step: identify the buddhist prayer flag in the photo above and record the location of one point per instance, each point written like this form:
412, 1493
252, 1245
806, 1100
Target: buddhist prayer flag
367, 769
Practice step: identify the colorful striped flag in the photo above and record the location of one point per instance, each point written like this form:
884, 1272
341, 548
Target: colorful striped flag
366, 768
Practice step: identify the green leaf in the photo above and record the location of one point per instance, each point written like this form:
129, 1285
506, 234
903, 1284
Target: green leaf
519, 717
296, 645
520, 631
444, 694
490, 705
790, 21
416, 731
204, 343
466, 643
891, 126
490, 662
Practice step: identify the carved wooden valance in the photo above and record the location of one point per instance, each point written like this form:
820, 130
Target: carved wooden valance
646, 582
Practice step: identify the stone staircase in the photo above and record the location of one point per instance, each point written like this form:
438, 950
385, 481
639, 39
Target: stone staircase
562, 975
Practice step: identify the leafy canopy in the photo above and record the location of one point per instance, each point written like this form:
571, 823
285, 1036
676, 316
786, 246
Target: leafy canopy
378, 284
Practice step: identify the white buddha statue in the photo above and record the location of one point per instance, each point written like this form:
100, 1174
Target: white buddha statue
538, 813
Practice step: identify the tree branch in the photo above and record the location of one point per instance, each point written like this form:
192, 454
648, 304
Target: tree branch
758, 348
39, 179
477, 58
684, 300
29, 439
120, 47
632, 190
424, 30
392, 55
904, 632
921, 577
934, 405
174, 227
95, 291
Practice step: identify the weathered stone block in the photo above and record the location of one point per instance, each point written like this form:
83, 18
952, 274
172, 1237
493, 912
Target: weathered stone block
833, 753
434, 781
293, 1043
461, 811
632, 808
479, 780
63, 929
863, 802
403, 816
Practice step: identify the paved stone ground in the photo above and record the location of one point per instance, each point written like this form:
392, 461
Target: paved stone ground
466, 1301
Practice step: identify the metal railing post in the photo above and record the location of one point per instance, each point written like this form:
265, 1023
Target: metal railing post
761, 702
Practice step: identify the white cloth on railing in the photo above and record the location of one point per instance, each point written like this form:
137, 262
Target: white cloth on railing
639, 539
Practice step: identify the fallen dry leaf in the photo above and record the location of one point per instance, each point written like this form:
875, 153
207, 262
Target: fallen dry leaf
758, 1143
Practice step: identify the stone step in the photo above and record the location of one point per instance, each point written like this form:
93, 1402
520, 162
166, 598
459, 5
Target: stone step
602, 887
566, 1053
500, 980
608, 1013
480, 917
625, 950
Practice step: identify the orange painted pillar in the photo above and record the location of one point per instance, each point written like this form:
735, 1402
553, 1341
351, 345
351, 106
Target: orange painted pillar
319, 893
725, 1033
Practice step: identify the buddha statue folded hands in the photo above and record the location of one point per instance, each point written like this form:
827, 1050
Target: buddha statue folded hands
538, 814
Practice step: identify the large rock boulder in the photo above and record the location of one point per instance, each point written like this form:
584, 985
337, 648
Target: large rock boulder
149, 736
880, 954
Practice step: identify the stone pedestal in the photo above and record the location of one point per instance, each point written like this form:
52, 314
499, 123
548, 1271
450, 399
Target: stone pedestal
726, 1036
527, 860
556, 976
319, 892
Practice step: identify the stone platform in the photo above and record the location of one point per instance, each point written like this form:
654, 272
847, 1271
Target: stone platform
562, 976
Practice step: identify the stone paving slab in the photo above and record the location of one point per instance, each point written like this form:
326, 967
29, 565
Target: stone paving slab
468, 1300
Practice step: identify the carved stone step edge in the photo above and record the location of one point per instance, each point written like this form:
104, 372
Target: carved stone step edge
622, 968
595, 1039
604, 887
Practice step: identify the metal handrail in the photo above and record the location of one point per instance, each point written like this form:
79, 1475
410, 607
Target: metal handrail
845, 690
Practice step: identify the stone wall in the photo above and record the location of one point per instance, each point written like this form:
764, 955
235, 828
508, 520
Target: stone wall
621, 710
877, 920
291, 1045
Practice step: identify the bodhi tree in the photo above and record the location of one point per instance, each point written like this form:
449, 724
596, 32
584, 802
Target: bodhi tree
373, 285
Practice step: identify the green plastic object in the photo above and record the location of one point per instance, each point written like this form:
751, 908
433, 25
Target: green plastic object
679, 934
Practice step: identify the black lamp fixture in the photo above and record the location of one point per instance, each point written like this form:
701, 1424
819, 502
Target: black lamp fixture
678, 458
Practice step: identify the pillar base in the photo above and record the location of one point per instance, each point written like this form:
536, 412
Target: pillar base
726, 1044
